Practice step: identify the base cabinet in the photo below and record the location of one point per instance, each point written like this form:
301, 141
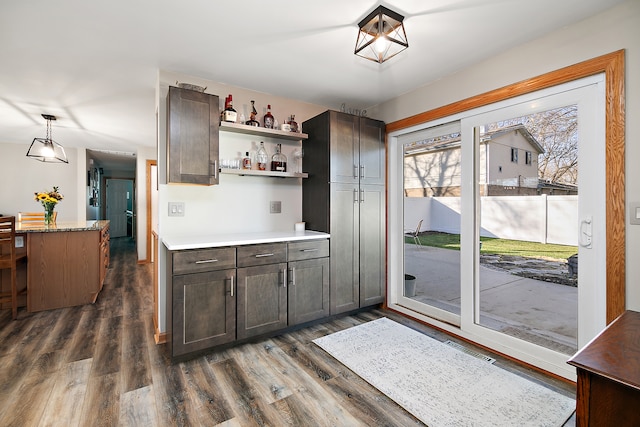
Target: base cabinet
221, 295
262, 299
308, 290
204, 311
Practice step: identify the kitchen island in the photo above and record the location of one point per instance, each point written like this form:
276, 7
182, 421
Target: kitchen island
66, 262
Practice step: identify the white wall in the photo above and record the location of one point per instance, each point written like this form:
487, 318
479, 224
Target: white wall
617, 28
239, 203
21, 177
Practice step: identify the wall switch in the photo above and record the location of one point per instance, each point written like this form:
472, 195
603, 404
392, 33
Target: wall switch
176, 209
276, 207
634, 213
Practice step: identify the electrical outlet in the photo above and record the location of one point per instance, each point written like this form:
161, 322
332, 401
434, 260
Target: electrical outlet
176, 209
276, 207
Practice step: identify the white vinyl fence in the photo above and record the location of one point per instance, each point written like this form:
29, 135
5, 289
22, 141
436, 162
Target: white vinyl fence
544, 219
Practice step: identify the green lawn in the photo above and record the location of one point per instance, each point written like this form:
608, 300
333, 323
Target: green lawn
492, 245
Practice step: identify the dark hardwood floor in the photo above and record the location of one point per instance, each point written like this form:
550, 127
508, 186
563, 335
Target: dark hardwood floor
98, 365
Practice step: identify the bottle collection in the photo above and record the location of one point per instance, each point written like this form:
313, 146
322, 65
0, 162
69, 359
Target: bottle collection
229, 114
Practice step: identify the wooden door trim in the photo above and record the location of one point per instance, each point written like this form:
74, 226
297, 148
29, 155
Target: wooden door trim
613, 67
150, 163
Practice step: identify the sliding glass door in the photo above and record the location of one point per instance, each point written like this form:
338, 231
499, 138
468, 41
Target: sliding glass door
504, 217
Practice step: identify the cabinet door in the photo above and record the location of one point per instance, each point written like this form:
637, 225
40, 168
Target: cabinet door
204, 311
344, 285
372, 244
344, 152
262, 299
308, 290
192, 137
372, 152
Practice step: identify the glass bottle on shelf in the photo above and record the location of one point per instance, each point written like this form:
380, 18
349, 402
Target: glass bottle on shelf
252, 120
246, 161
293, 124
229, 114
279, 160
268, 118
261, 157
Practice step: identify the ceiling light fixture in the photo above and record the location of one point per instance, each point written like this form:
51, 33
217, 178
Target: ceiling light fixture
381, 35
46, 149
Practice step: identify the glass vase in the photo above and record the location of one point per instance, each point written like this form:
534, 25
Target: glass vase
48, 215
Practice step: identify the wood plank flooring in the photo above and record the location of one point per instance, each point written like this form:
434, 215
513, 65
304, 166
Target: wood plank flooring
98, 365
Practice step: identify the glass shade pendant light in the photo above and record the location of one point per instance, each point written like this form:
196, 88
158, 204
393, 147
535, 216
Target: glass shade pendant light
46, 149
381, 35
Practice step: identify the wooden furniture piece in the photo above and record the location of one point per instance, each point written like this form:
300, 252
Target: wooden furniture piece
344, 195
69, 261
608, 368
9, 257
34, 217
192, 137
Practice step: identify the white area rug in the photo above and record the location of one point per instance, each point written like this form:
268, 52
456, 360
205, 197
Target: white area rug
441, 385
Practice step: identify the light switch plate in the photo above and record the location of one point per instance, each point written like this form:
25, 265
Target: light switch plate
176, 208
276, 207
634, 213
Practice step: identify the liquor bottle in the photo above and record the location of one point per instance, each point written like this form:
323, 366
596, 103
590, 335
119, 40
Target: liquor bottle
279, 160
229, 114
293, 124
246, 161
261, 157
268, 118
252, 121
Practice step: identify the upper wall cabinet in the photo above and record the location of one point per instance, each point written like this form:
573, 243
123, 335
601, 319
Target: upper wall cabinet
192, 137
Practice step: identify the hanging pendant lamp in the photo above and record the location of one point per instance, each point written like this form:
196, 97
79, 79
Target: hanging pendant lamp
46, 149
381, 35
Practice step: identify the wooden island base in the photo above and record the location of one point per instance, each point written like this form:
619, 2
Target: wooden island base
66, 264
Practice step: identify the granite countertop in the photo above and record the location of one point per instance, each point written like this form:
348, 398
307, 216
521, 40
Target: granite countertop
174, 243
61, 226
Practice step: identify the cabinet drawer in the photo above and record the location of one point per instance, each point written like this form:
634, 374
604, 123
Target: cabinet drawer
194, 261
269, 253
308, 249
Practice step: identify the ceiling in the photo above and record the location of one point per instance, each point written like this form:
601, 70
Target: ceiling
94, 64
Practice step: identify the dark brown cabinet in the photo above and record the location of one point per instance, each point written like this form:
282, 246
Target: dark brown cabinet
345, 196
192, 137
308, 288
201, 306
608, 368
262, 289
216, 296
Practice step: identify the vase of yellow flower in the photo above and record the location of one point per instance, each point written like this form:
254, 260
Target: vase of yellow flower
49, 200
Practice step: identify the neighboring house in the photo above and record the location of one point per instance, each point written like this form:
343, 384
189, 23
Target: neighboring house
508, 164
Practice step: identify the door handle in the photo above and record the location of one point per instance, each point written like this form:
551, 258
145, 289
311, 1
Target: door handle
586, 232
232, 286
284, 277
355, 171
293, 276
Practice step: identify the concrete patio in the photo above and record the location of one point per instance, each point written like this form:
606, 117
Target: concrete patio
537, 311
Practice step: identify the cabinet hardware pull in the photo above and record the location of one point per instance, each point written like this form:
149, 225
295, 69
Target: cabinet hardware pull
309, 250
263, 255
293, 276
215, 169
206, 261
284, 277
362, 171
361, 196
232, 286
355, 171
355, 196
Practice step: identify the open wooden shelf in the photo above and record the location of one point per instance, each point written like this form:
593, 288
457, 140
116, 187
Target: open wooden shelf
260, 131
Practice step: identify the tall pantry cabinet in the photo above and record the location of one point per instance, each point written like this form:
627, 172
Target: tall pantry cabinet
345, 195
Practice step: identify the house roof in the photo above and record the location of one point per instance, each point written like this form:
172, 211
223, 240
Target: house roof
447, 142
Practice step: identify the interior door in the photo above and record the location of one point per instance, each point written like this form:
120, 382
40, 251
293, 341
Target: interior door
119, 193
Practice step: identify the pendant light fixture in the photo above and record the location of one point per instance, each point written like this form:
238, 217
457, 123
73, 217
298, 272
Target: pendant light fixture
46, 149
381, 35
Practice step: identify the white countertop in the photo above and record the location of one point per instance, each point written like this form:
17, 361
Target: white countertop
175, 243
